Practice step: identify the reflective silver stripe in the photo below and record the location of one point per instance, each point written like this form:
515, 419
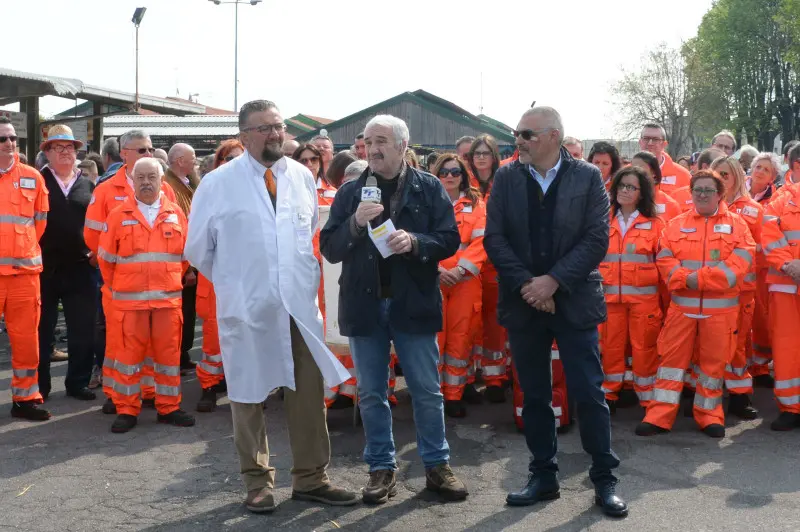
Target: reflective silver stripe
351, 371
741, 383
555, 354
148, 361
169, 371
666, 252
791, 235
628, 257
16, 220
39, 216
667, 396
212, 358
494, 371
739, 372
707, 303
778, 273
462, 247
672, 271
626, 290
783, 288
743, 253
347, 389
707, 403
454, 380
149, 257
133, 389
213, 370
476, 233
453, 362
24, 392
647, 395
477, 350
644, 381
615, 377
628, 376
670, 374
172, 391
782, 243
125, 369
493, 355
729, 275
93, 224
789, 400
708, 383
148, 381
105, 255
8, 261
152, 295
469, 266
769, 218
750, 278
22, 373
330, 394
786, 384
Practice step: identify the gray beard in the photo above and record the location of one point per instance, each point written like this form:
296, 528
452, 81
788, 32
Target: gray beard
271, 155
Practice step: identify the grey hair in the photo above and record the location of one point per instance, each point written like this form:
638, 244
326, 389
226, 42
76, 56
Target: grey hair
176, 151
553, 119
399, 127
149, 160
354, 170
725, 133
256, 106
110, 149
134, 134
747, 148
571, 141
770, 157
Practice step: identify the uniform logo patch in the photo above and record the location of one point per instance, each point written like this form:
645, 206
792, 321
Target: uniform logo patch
120, 198
630, 248
661, 208
27, 182
723, 228
669, 180
714, 253
467, 208
644, 225
171, 219
688, 229
129, 222
751, 211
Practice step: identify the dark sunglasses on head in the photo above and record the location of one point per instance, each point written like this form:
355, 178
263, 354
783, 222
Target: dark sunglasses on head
12, 138
455, 172
142, 151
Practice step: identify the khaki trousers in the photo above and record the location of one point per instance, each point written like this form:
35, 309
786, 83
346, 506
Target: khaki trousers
308, 428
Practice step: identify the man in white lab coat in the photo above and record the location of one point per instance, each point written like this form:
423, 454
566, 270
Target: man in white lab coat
250, 233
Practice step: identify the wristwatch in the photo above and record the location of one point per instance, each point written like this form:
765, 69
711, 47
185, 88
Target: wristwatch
461, 270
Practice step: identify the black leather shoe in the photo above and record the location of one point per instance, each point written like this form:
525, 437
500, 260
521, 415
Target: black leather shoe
786, 421
221, 387
612, 504
83, 394
179, 418
627, 398
648, 429
612, 407
715, 430
537, 489
148, 403
495, 394
741, 407
455, 409
471, 395
208, 400
29, 410
123, 423
764, 381
109, 407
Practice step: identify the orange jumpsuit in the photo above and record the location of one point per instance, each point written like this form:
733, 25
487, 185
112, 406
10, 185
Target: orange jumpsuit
106, 197
23, 217
683, 196
737, 377
666, 206
630, 283
143, 270
720, 249
781, 244
462, 302
673, 176
209, 370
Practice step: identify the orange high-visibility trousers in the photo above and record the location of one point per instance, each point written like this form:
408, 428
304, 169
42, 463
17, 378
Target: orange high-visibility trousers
714, 337
737, 376
139, 329
761, 354
493, 355
637, 325
460, 303
784, 318
209, 370
20, 303
112, 331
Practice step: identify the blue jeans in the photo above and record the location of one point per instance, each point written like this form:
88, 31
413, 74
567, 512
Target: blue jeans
419, 356
580, 355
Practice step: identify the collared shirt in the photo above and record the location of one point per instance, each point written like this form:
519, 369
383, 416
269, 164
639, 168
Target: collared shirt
150, 212
625, 225
7, 170
549, 176
259, 168
185, 180
760, 195
65, 187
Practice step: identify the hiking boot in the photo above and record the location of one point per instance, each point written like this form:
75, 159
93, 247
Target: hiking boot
764, 381
327, 494
381, 486
740, 406
208, 400
495, 394
148, 403
443, 481
715, 430
455, 409
178, 417
648, 429
123, 423
29, 410
109, 407
786, 421
471, 395
260, 501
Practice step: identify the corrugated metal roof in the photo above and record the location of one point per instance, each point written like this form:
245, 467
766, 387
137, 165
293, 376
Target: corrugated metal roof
61, 86
173, 126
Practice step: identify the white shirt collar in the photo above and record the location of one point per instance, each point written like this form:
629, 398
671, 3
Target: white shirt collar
150, 212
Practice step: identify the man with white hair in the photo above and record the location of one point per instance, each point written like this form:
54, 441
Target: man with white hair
574, 147
354, 170
141, 259
393, 296
725, 141
289, 147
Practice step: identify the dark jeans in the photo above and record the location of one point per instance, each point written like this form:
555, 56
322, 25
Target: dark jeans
189, 320
75, 287
580, 355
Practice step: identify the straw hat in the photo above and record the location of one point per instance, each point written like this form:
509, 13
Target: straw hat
60, 132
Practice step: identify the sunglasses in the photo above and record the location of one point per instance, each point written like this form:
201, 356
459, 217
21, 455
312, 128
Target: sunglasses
307, 160
12, 138
528, 134
455, 172
142, 151
482, 154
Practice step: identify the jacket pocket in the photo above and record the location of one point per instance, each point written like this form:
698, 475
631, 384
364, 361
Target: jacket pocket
646, 275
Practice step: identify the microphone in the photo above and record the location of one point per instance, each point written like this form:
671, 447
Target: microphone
370, 192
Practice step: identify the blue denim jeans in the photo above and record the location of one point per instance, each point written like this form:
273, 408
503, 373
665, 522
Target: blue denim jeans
419, 356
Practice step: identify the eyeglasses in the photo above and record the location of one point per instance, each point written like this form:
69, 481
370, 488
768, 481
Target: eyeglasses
12, 138
455, 172
628, 188
142, 151
267, 129
306, 160
704, 191
64, 148
482, 155
652, 140
528, 134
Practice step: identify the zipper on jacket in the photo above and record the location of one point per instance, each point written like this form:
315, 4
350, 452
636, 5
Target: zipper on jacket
619, 264
703, 261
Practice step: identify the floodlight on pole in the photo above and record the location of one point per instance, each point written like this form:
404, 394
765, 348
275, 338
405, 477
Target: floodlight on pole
138, 15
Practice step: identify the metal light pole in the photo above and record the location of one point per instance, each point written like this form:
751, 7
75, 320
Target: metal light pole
138, 15
236, 45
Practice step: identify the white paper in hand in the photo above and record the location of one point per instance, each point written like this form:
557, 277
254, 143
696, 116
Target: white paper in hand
380, 236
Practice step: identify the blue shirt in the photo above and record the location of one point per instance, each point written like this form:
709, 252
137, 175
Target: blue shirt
548, 178
110, 172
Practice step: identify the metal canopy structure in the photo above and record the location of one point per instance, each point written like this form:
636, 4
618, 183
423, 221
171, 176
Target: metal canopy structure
27, 88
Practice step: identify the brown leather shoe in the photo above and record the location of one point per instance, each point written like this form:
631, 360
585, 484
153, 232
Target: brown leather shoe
260, 501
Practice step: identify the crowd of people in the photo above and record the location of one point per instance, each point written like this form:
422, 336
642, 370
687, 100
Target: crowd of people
656, 281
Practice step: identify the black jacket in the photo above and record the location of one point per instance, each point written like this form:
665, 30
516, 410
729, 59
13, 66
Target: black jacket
425, 211
580, 241
62, 242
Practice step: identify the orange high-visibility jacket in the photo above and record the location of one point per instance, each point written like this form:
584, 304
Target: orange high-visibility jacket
683, 196
673, 176
106, 197
471, 221
325, 195
719, 248
629, 268
206, 303
753, 215
23, 216
780, 239
142, 266
666, 207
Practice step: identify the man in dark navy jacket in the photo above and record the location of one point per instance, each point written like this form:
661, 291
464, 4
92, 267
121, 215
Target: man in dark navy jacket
546, 233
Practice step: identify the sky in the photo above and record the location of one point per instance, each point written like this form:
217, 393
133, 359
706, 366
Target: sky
333, 58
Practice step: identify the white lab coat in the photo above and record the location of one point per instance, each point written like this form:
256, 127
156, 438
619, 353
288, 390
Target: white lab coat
263, 269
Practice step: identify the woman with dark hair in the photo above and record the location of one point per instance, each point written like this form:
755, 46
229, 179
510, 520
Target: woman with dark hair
606, 157
460, 281
309, 156
666, 207
705, 254
339, 164
490, 343
630, 283
227, 151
